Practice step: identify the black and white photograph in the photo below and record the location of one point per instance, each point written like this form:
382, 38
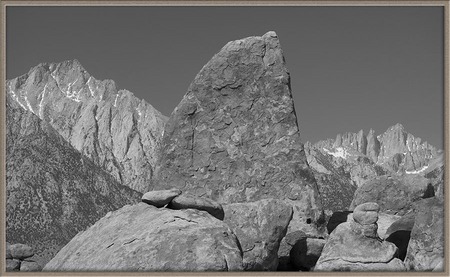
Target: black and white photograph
180, 137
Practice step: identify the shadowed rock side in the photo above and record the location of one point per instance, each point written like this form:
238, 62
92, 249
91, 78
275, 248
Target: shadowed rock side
117, 131
234, 136
144, 238
52, 190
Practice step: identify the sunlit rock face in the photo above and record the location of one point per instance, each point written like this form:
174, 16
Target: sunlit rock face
234, 136
112, 127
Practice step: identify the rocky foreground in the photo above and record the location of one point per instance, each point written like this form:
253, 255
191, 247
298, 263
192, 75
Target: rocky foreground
227, 183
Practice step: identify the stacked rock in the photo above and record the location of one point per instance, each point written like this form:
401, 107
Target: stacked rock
18, 258
355, 245
176, 200
365, 218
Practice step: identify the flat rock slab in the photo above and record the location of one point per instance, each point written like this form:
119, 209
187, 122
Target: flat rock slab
190, 201
259, 226
160, 198
145, 238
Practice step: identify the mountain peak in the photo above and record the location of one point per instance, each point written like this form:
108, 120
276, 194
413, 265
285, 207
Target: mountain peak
397, 127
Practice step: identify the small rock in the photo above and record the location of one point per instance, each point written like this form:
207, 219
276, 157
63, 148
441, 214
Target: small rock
20, 251
30, 266
190, 201
366, 213
160, 198
306, 252
12, 265
8, 251
384, 222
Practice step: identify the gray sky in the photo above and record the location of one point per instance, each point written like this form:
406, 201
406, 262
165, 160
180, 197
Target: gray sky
351, 68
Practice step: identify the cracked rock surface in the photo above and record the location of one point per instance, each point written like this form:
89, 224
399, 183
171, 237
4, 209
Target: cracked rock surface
234, 136
52, 190
116, 130
260, 226
144, 238
426, 248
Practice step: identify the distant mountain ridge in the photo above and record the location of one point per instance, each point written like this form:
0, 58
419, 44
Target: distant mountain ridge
344, 164
112, 127
395, 150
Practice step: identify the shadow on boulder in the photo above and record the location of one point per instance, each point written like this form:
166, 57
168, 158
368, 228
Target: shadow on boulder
401, 240
336, 219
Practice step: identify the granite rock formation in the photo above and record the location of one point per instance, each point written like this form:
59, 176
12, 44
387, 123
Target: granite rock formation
259, 227
52, 190
426, 246
144, 238
19, 257
355, 246
394, 194
113, 128
234, 137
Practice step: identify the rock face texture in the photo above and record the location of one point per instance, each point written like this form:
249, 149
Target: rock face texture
117, 131
52, 190
426, 248
354, 246
19, 257
144, 238
259, 226
394, 194
234, 136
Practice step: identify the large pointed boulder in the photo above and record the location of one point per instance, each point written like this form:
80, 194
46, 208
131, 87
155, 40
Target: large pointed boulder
234, 137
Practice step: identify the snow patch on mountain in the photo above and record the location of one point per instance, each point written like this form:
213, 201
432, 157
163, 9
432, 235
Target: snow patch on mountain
417, 171
339, 152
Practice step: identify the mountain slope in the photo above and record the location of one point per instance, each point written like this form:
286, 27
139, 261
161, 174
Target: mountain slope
112, 127
52, 190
